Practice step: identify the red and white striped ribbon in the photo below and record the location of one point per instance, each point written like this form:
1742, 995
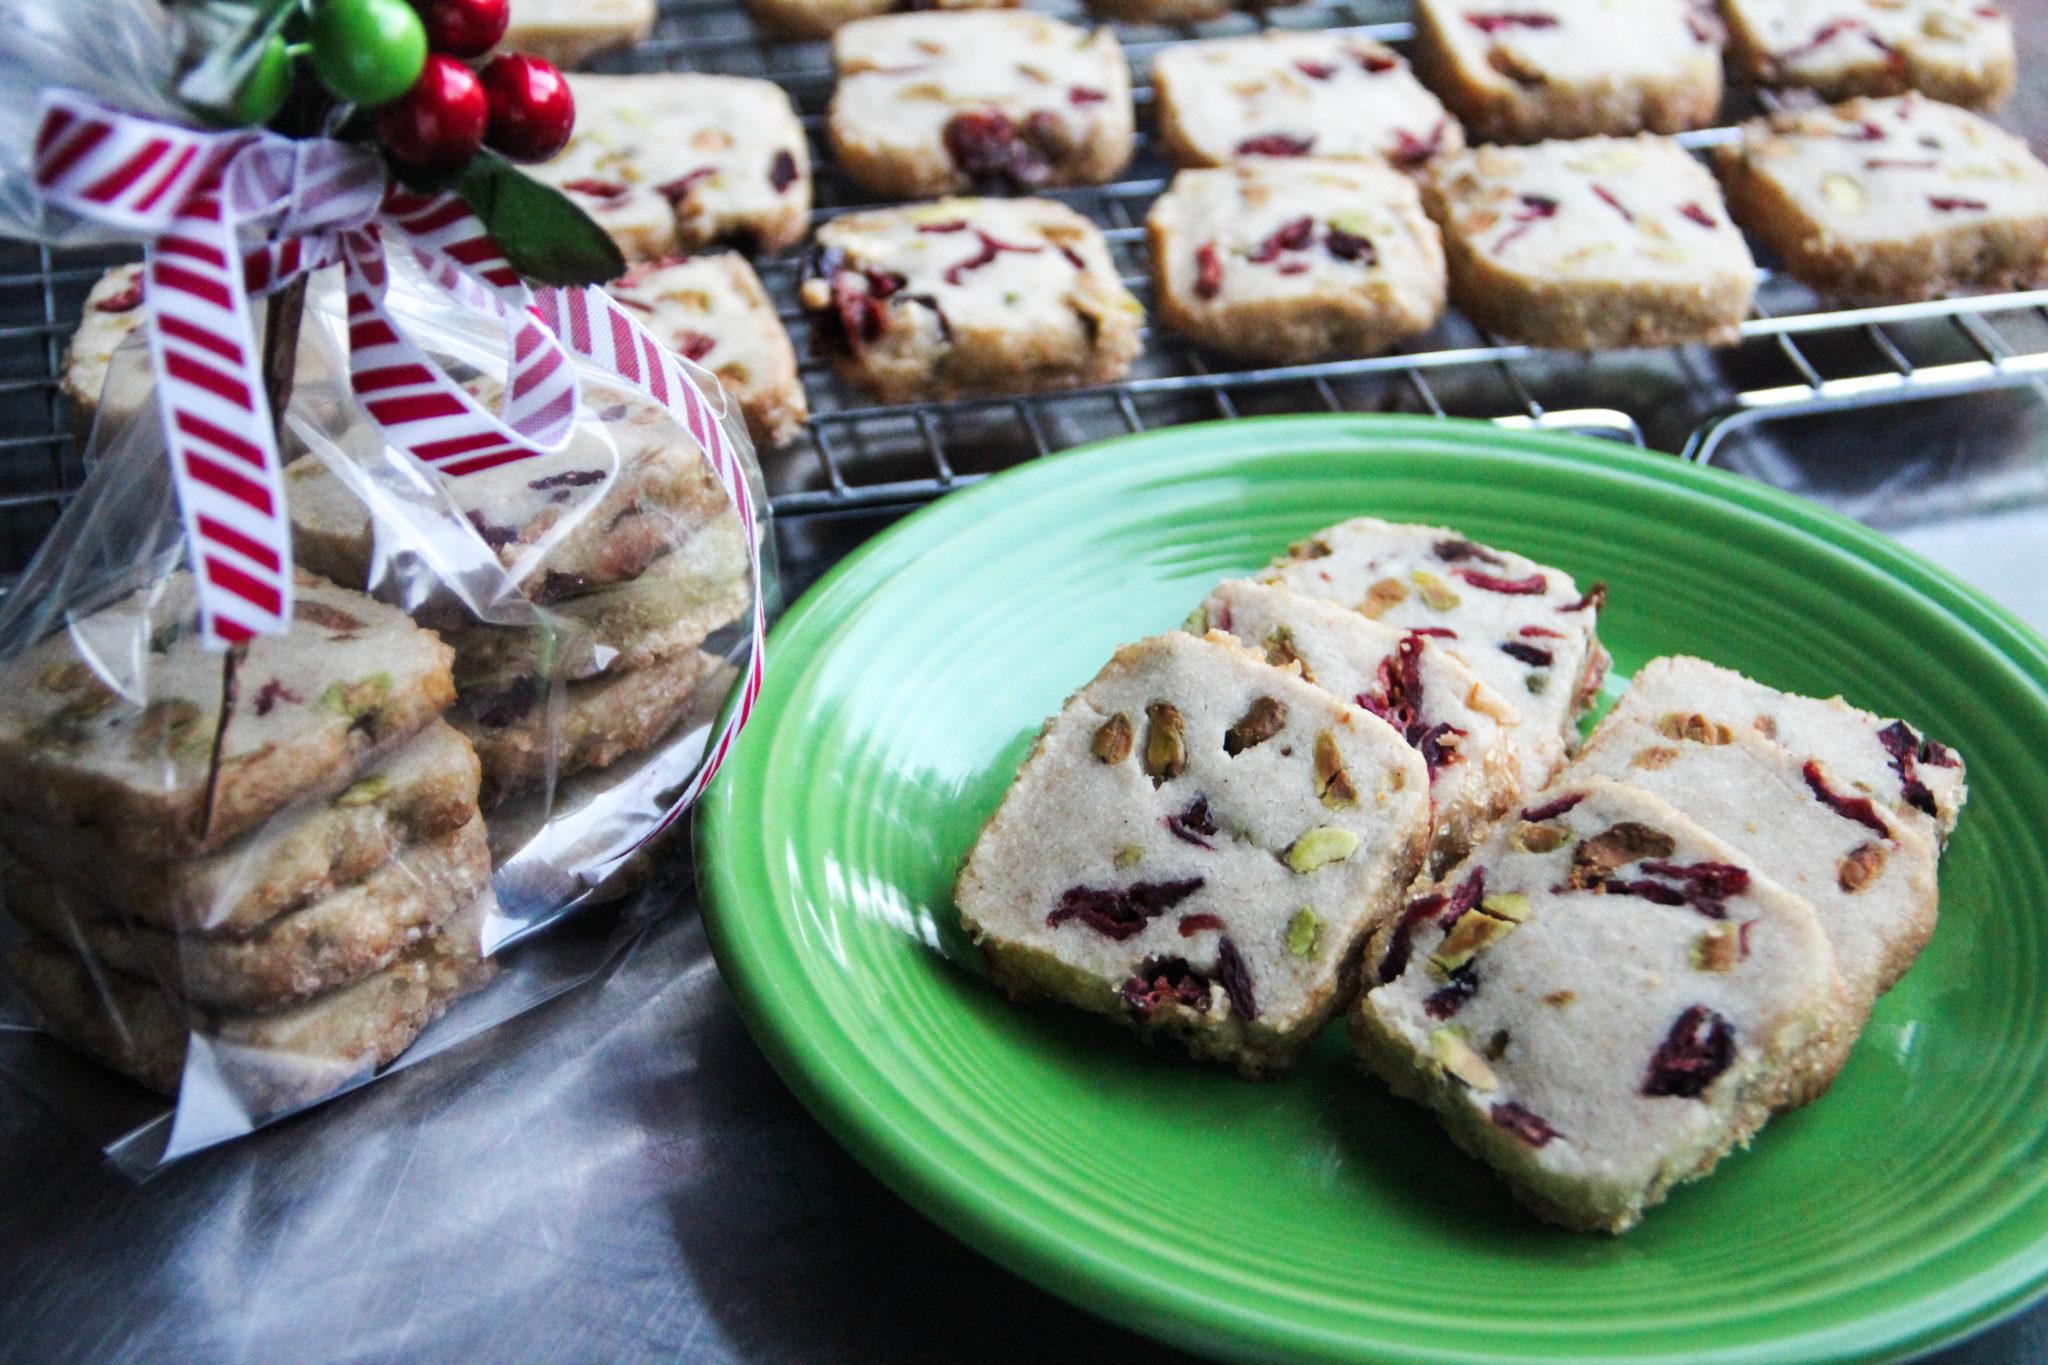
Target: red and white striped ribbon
193, 196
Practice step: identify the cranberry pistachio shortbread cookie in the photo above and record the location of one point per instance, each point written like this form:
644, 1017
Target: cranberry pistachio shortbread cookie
161, 777
1523, 629
419, 792
1869, 876
1197, 845
1463, 729
572, 32
823, 18
1920, 780
668, 161
1288, 261
276, 1059
1601, 1003
969, 296
713, 310
1571, 68
1960, 51
1885, 200
321, 946
1595, 244
1296, 94
1177, 13
993, 101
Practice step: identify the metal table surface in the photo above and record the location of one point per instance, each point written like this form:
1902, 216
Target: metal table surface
620, 1175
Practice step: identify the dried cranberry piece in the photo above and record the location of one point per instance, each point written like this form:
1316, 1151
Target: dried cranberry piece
1461, 986
1606, 197
1293, 236
1698, 215
1535, 208
1236, 978
1435, 753
1698, 1049
1397, 699
679, 188
495, 536
127, 301
1073, 257
1276, 144
271, 693
1508, 19
568, 478
1399, 944
1191, 824
1950, 204
1657, 893
1538, 814
555, 585
1349, 246
1435, 632
951, 225
1411, 151
987, 251
1376, 63
1824, 35
1081, 94
1315, 71
1711, 881
1857, 808
1208, 271
1511, 1115
1528, 654
497, 707
1452, 551
1539, 633
1121, 912
1904, 746
694, 345
782, 171
1939, 754
1190, 925
1163, 981
993, 154
1535, 585
862, 313
596, 189
1596, 598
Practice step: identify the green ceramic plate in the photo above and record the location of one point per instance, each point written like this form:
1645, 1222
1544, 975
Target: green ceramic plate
1317, 1217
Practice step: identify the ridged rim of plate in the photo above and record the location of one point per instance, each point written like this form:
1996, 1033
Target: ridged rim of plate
932, 1158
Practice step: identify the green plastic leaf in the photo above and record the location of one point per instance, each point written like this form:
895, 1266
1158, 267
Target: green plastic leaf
541, 231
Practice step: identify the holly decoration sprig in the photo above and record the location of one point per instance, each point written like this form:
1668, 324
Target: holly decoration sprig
403, 74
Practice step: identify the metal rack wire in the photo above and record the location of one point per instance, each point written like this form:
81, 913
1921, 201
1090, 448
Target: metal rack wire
1796, 356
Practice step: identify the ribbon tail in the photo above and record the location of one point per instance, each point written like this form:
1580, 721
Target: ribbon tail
217, 425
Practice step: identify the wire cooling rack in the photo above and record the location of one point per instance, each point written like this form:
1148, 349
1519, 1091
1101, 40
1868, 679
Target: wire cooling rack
1796, 355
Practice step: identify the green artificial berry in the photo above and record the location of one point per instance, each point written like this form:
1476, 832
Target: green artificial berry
368, 52
268, 85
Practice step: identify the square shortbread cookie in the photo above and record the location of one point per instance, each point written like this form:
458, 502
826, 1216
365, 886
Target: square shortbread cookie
1196, 846
1596, 244
1288, 261
969, 296
1960, 51
670, 161
572, 32
1571, 68
1296, 94
713, 310
797, 19
1878, 201
990, 101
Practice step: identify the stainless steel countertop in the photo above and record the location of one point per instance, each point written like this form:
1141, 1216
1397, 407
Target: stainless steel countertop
620, 1175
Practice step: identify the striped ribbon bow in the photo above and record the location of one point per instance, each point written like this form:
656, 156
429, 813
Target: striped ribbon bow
227, 216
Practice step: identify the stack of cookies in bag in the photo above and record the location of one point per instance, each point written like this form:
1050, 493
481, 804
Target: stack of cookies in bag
630, 548
278, 850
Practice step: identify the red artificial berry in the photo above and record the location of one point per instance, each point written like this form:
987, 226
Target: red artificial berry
439, 123
532, 111
464, 28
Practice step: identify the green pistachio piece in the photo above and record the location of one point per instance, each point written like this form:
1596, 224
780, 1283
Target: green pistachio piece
1529, 838
1128, 856
1474, 930
1320, 846
1262, 720
1112, 742
1197, 622
359, 698
1333, 784
1166, 746
1511, 906
366, 792
1436, 595
1458, 1057
1717, 949
1304, 933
